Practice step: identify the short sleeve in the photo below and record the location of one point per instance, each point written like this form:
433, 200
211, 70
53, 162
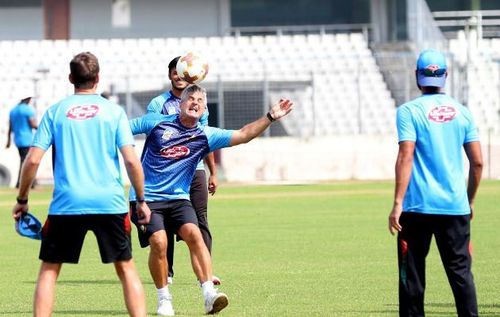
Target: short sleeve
204, 118
218, 138
471, 133
123, 133
147, 122
405, 125
30, 112
44, 136
154, 106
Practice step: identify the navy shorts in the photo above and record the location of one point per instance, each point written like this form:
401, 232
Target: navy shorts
165, 215
63, 236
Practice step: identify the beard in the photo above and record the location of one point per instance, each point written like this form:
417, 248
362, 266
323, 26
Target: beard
179, 86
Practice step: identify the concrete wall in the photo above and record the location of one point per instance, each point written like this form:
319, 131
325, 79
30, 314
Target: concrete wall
293, 160
363, 157
315, 159
150, 18
24, 23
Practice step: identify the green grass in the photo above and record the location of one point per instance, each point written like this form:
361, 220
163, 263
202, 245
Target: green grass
312, 250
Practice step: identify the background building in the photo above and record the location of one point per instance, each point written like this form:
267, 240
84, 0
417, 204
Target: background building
346, 64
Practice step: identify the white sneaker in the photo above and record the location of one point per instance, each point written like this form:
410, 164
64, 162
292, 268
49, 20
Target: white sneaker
170, 280
215, 302
165, 307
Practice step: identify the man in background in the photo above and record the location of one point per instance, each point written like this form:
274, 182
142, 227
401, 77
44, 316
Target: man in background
86, 132
22, 121
431, 198
168, 103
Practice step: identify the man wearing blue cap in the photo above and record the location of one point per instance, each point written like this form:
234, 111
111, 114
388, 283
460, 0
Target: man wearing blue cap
431, 198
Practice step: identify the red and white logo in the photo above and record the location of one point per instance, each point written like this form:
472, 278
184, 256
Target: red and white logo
82, 112
175, 152
442, 114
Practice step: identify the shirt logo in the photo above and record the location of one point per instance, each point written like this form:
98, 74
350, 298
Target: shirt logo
167, 134
442, 114
171, 110
82, 112
175, 152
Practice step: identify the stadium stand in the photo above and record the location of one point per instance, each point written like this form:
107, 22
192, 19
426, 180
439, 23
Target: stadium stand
334, 76
481, 60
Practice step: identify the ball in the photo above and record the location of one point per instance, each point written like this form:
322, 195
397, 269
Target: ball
192, 68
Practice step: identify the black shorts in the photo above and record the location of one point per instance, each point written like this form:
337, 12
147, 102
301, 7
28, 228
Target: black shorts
63, 236
165, 215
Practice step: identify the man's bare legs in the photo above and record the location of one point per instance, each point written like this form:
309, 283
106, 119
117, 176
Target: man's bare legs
132, 288
45, 289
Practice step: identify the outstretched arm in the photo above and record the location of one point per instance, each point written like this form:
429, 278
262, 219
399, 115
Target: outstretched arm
404, 164
473, 152
254, 129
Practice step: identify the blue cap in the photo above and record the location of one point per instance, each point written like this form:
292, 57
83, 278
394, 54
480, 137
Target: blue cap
28, 226
431, 69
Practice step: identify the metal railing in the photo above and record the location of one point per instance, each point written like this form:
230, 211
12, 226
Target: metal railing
486, 22
364, 28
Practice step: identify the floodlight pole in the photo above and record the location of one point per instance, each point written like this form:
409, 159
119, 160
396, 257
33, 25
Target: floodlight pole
41, 73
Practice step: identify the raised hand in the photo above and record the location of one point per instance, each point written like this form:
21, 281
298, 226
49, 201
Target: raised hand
281, 108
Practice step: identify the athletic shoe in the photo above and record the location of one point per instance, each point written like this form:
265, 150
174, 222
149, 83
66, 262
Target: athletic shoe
165, 307
216, 280
215, 302
170, 280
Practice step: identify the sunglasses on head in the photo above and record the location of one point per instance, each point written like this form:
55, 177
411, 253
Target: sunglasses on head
432, 72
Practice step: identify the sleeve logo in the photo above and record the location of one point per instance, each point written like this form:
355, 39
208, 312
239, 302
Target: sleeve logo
442, 114
175, 152
82, 112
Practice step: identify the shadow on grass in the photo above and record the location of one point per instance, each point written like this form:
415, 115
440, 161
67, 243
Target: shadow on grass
71, 312
92, 312
485, 310
388, 312
93, 282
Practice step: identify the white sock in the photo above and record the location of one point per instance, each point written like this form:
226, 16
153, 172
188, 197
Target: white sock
207, 287
163, 292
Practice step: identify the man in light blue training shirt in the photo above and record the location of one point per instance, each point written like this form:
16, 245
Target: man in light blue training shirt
86, 133
431, 196
174, 146
22, 121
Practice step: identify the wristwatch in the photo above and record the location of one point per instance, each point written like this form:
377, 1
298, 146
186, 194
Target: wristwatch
21, 201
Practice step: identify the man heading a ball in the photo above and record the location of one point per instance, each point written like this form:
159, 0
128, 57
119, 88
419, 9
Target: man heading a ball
168, 103
174, 146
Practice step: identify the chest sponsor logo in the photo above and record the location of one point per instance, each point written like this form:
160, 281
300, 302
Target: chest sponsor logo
82, 112
175, 152
442, 114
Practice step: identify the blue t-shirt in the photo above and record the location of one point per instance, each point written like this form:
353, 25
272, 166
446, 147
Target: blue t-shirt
19, 121
85, 132
172, 152
439, 126
167, 103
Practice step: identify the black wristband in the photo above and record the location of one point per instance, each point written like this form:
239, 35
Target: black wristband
140, 200
22, 201
270, 117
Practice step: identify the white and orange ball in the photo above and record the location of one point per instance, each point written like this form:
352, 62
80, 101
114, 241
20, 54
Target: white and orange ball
192, 68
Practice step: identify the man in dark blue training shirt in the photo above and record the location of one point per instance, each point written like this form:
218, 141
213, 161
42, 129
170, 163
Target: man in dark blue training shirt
174, 146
